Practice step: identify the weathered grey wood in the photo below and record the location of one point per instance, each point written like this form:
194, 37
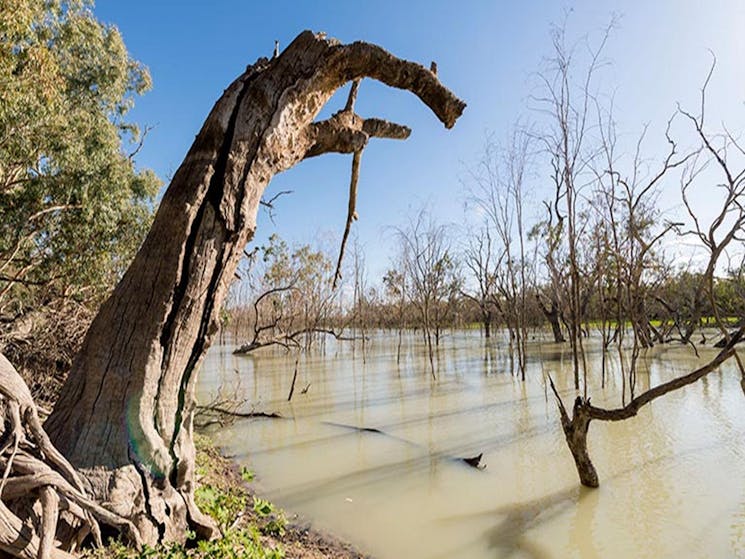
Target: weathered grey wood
49, 517
24, 473
125, 415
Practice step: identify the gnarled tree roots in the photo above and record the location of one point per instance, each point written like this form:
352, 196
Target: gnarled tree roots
45, 510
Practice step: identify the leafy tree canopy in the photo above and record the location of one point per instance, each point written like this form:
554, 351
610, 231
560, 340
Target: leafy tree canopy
73, 205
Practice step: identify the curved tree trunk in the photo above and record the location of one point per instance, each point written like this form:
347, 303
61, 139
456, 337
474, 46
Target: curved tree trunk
124, 417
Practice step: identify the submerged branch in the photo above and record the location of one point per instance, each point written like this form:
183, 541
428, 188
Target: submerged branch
473, 461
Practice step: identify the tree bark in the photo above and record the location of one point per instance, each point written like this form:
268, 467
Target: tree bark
552, 315
124, 417
575, 432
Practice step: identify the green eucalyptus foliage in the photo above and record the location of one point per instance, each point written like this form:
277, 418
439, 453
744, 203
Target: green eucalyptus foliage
73, 206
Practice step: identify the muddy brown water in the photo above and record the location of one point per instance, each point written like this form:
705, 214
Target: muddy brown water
672, 479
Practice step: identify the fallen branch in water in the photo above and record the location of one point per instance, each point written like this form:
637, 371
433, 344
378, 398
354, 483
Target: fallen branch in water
289, 340
243, 415
218, 415
225, 407
224, 417
473, 461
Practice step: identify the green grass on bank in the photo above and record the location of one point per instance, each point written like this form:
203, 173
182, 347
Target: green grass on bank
250, 525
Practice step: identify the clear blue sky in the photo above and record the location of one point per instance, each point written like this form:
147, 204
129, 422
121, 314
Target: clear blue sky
487, 53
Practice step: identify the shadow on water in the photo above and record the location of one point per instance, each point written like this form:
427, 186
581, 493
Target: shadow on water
346, 400
672, 458
336, 484
488, 444
472, 446
342, 484
508, 536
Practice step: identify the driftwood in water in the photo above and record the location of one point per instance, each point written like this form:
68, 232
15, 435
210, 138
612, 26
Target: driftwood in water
242, 415
219, 415
474, 461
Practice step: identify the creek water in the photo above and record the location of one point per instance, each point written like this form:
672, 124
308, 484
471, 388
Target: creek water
672, 478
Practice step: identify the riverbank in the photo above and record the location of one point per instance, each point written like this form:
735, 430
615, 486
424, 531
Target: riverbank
252, 527
297, 539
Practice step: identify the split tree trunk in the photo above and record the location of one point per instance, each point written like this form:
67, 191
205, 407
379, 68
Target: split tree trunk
124, 417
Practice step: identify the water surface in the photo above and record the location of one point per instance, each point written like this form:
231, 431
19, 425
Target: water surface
672, 478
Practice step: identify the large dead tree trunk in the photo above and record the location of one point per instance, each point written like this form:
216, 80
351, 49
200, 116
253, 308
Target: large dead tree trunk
124, 417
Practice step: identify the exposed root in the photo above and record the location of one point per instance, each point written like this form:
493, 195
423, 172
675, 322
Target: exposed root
45, 510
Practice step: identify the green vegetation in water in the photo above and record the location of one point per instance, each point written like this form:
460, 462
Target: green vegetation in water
249, 524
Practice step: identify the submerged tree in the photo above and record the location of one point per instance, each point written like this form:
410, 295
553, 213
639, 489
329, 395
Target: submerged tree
395, 284
498, 194
568, 106
292, 300
722, 234
430, 273
481, 264
124, 417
